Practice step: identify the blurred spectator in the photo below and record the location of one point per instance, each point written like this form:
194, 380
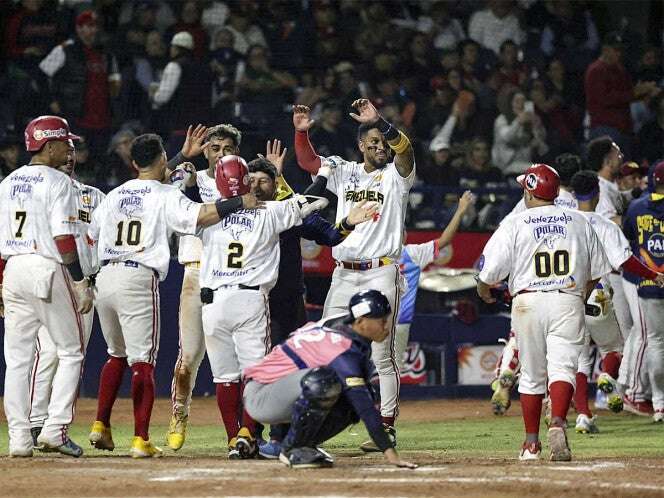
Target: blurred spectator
469, 66
287, 36
145, 75
214, 16
131, 37
570, 35
224, 60
347, 87
651, 136
117, 167
163, 14
263, 91
518, 135
477, 170
31, 33
632, 180
417, 69
438, 170
86, 170
329, 137
495, 24
245, 32
650, 66
446, 31
609, 91
432, 115
84, 77
10, 149
512, 71
189, 20
184, 92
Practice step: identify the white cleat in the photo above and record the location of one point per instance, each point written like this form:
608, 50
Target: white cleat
585, 424
530, 451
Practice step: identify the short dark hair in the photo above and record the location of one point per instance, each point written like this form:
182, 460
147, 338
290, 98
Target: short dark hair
262, 165
145, 149
597, 151
567, 165
584, 182
364, 128
224, 131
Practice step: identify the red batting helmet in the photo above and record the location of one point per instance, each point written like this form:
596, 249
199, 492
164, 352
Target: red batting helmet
44, 129
232, 176
541, 180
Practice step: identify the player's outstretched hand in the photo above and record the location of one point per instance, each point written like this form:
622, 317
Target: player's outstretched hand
275, 155
659, 279
484, 291
190, 174
194, 142
362, 211
393, 457
368, 113
301, 118
250, 201
83, 296
465, 201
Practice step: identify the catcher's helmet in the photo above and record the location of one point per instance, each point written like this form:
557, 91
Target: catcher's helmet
369, 303
44, 129
232, 176
542, 181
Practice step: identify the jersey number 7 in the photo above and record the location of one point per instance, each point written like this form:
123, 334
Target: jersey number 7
20, 217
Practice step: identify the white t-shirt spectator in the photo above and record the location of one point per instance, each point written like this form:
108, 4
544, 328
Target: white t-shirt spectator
491, 31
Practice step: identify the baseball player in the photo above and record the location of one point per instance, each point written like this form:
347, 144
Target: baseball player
602, 325
507, 368
132, 227
214, 143
44, 285
550, 255
319, 381
239, 267
87, 199
414, 259
369, 256
644, 225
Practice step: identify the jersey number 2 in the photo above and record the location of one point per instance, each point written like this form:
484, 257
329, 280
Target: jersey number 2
235, 250
545, 262
133, 235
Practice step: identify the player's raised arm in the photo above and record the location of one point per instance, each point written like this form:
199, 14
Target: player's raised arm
465, 201
304, 151
396, 139
212, 213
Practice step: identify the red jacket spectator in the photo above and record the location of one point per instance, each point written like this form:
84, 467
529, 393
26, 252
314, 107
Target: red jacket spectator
609, 91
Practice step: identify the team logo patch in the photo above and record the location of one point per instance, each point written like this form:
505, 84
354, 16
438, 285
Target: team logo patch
549, 233
239, 222
131, 206
21, 192
655, 245
480, 263
531, 181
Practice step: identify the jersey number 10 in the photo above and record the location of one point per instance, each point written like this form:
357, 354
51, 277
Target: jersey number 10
133, 235
545, 262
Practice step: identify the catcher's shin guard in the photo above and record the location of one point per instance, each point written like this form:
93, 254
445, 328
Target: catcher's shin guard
321, 389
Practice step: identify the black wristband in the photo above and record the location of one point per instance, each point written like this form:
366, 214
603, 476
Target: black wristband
227, 206
386, 128
175, 161
346, 226
193, 194
317, 187
75, 271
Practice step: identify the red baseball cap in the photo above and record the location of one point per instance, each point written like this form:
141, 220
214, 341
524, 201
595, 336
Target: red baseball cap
86, 17
632, 168
658, 173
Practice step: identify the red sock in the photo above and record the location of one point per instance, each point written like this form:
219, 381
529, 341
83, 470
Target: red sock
531, 407
581, 394
388, 421
142, 393
246, 420
109, 385
611, 364
229, 402
561, 396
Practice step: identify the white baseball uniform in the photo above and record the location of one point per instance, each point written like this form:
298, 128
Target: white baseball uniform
604, 329
132, 227
87, 199
368, 257
36, 205
191, 341
549, 254
240, 264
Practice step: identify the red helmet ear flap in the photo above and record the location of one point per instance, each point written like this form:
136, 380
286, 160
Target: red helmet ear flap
232, 176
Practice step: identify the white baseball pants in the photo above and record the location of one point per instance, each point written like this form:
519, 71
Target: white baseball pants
388, 280
44, 368
192, 342
652, 319
38, 291
549, 328
127, 302
634, 379
237, 331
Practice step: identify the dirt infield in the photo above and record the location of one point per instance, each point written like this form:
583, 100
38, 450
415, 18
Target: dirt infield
355, 474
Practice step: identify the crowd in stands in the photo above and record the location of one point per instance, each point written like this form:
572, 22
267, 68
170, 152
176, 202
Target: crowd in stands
483, 88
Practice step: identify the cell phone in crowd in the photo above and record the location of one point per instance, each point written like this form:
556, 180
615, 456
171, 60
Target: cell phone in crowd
529, 106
